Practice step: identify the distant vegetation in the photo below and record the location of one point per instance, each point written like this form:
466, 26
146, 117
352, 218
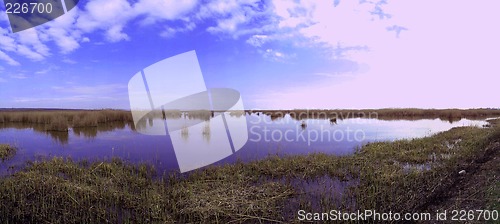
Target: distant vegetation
61, 120
402, 176
390, 114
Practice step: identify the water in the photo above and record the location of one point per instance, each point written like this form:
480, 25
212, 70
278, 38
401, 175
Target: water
266, 136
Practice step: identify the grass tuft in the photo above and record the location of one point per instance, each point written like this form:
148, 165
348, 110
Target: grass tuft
7, 151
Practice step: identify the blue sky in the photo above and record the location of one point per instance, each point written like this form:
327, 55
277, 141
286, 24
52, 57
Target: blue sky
278, 54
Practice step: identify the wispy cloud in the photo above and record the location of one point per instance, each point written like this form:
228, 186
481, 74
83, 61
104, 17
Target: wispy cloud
18, 76
68, 31
69, 61
96, 90
334, 75
75, 98
44, 71
276, 55
396, 29
8, 59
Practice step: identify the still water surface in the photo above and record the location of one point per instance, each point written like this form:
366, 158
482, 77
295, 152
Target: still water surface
266, 135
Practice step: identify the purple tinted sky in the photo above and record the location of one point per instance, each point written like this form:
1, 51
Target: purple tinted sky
278, 54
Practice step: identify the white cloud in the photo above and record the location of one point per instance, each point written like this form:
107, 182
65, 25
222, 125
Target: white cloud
108, 15
68, 99
258, 40
8, 59
72, 95
31, 39
27, 52
115, 34
46, 70
293, 14
18, 76
275, 55
237, 18
91, 90
164, 10
69, 61
172, 31
234, 18
63, 33
444, 58
7, 43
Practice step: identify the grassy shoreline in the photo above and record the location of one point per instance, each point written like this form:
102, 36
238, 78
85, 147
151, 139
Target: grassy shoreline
400, 176
84, 118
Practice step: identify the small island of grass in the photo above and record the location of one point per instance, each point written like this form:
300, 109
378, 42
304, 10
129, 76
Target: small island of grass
6, 151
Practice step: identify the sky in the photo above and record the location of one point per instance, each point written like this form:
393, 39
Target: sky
279, 54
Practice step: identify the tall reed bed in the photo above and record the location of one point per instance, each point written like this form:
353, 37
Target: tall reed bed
61, 120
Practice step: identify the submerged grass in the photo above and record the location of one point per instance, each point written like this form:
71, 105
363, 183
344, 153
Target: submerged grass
385, 176
6, 151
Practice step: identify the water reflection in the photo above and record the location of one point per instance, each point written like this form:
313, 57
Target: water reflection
333, 116
205, 131
62, 137
185, 133
92, 132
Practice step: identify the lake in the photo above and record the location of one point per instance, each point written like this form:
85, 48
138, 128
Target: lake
266, 136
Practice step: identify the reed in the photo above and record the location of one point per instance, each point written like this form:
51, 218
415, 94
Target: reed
70, 118
58, 124
7, 151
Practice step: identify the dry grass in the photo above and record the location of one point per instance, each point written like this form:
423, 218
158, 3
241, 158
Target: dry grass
62, 191
59, 124
61, 120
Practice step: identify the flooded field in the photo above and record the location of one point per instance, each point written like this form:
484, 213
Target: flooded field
267, 135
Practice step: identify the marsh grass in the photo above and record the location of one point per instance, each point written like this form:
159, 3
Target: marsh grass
375, 177
55, 120
6, 151
63, 191
57, 124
